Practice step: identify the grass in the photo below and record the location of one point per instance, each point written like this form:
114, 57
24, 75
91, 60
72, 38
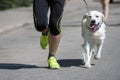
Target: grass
7, 4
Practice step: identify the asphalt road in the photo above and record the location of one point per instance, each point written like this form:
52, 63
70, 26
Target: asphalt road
21, 58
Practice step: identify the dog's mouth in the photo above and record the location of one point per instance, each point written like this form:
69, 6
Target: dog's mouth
94, 27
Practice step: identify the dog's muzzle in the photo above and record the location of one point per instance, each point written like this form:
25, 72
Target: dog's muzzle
94, 27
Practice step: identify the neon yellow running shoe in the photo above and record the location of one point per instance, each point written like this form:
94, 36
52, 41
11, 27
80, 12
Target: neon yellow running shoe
53, 64
44, 41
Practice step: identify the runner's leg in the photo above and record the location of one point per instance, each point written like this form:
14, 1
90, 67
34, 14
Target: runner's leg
55, 18
40, 11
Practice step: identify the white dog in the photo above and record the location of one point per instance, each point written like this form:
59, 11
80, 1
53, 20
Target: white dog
93, 33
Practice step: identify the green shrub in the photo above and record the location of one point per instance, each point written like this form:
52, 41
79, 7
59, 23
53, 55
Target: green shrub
6, 4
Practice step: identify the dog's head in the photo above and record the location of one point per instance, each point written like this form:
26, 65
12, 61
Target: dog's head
94, 19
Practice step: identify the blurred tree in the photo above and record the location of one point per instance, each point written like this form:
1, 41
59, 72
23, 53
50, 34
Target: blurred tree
6, 4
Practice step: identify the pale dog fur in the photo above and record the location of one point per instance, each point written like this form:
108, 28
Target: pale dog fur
93, 40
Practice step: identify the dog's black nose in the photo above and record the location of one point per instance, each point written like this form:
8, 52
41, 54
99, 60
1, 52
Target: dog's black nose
93, 21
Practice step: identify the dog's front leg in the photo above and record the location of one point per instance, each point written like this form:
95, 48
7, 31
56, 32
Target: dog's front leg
89, 55
99, 49
86, 55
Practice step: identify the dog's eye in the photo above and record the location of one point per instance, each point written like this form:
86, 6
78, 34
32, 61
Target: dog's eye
89, 16
97, 16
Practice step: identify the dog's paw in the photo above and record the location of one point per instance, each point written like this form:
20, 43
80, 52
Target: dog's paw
97, 57
87, 66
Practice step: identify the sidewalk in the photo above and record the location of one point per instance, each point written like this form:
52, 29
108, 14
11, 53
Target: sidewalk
15, 18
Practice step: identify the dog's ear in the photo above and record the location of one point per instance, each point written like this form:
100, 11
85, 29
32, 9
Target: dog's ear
84, 17
103, 18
